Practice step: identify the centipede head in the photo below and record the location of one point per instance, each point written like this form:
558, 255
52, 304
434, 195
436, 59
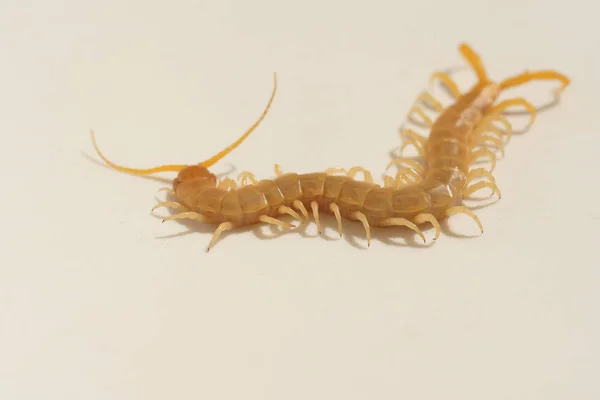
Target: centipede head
198, 174
474, 60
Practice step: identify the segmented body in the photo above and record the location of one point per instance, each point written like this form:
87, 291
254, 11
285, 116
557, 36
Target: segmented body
422, 193
341, 196
346, 198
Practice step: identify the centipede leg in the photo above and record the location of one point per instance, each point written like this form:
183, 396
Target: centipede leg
357, 215
300, 207
407, 133
479, 173
406, 176
168, 190
388, 181
315, 209
464, 210
410, 137
492, 131
484, 153
289, 211
414, 173
336, 212
227, 184
425, 120
426, 217
170, 204
246, 176
489, 127
278, 171
225, 226
367, 176
187, 215
272, 221
398, 182
481, 140
427, 98
519, 101
413, 164
335, 170
447, 82
482, 185
418, 146
352, 172
403, 222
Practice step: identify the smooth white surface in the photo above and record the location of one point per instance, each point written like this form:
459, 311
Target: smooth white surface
97, 301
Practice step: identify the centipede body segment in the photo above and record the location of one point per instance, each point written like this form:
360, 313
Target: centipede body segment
421, 192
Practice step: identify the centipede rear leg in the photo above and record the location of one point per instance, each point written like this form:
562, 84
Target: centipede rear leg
529, 76
526, 77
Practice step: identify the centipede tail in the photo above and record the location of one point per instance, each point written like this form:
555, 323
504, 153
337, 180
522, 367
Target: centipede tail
464, 132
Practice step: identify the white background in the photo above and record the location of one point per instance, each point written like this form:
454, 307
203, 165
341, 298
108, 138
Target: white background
99, 300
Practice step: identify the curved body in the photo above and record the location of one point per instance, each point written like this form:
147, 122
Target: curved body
426, 191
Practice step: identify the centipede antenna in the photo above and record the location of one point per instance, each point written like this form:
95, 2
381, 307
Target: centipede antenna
135, 171
475, 61
235, 144
177, 168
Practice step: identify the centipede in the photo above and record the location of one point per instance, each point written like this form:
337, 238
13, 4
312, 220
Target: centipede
424, 191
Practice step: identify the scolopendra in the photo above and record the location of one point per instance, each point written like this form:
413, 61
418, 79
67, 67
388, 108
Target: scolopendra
442, 178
